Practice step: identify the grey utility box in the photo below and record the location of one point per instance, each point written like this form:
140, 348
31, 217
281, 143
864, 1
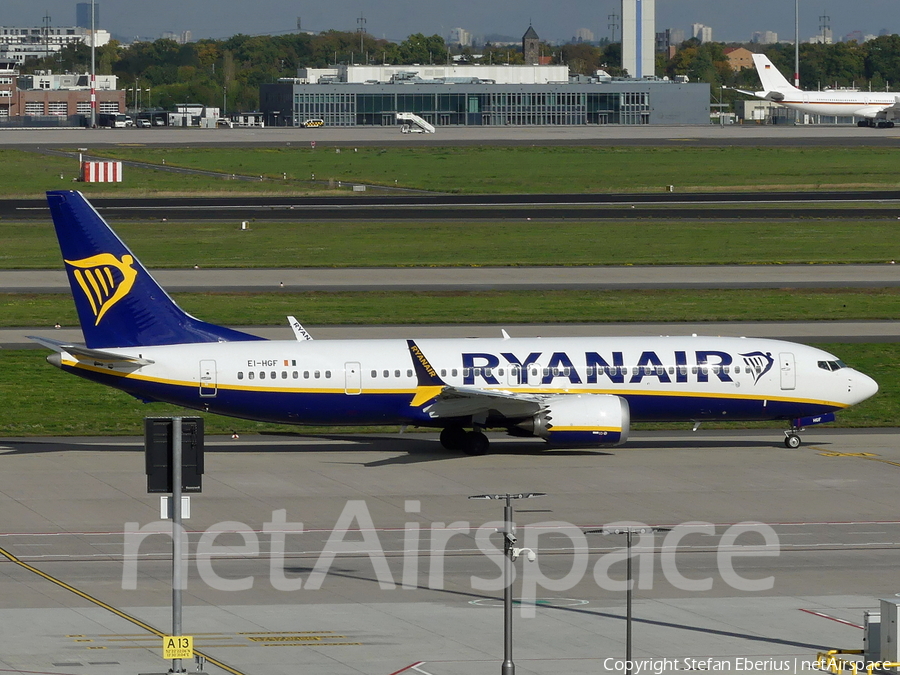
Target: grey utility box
890, 630
871, 635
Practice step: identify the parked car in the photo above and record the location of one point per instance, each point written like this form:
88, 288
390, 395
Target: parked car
143, 123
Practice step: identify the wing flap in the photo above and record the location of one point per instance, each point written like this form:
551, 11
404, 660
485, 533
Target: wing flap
464, 401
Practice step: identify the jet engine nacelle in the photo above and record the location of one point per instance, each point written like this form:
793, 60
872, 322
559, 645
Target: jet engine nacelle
582, 419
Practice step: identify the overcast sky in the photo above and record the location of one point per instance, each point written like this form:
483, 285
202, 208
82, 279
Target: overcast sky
730, 20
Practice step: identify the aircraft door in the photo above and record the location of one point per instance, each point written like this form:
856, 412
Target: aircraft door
534, 374
515, 375
208, 381
352, 378
788, 371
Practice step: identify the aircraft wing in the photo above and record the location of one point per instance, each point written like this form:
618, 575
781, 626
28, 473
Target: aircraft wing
465, 401
90, 354
442, 400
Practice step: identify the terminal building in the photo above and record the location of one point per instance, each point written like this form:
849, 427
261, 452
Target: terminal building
534, 94
454, 95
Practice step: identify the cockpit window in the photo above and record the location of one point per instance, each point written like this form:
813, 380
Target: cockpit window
832, 365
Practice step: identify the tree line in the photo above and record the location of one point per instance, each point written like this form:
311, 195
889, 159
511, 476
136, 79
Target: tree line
212, 71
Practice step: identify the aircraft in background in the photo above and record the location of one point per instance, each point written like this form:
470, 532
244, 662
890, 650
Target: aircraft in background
879, 109
569, 391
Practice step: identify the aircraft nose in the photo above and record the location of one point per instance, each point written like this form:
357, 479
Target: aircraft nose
862, 387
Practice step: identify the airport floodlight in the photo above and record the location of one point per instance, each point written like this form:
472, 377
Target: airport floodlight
629, 531
510, 553
521, 495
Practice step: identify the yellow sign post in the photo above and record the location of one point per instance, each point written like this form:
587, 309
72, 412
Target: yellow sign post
178, 647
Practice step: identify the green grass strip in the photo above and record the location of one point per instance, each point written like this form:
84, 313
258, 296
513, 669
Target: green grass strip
543, 169
317, 308
32, 245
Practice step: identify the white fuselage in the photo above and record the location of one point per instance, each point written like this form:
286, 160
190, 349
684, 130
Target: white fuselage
373, 381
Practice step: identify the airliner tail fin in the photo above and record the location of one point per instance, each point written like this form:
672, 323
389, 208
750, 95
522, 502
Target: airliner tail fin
119, 304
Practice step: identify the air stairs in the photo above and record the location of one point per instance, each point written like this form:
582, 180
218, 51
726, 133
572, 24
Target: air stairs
413, 124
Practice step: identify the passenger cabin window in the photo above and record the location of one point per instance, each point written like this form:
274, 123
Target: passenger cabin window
250, 375
240, 376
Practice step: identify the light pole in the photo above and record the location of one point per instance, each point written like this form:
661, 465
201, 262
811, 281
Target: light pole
510, 553
93, 68
629, 533
797, 43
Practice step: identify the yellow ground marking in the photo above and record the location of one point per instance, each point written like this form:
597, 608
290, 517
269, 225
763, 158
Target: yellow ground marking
118, 612
859, 455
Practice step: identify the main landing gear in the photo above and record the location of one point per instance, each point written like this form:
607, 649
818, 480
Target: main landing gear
878, 124
470, 442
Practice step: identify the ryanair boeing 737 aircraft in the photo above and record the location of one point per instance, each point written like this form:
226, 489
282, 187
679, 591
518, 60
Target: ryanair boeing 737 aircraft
569, 391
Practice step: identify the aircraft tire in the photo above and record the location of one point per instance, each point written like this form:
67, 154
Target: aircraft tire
476, 444
792, 441
453, 438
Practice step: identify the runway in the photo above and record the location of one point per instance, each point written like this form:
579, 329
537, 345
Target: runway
610, 135
881, 205
822, 520
598, 277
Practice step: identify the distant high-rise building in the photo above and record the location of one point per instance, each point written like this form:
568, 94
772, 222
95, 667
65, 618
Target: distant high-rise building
823, 38
531, 46
584, 35
701, 32
461, 37
83, 15
764, 37
639, 37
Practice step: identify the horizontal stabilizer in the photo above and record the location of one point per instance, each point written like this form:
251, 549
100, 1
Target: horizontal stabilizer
92, 354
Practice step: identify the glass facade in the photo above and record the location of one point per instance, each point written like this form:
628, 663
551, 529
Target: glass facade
495, 108
357, 105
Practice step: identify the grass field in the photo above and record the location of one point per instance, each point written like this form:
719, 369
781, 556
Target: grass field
464, 169
29, 174
523, 169
450, 307
32, 244
82, 408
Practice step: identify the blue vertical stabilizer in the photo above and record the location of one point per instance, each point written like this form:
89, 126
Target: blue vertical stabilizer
119, 304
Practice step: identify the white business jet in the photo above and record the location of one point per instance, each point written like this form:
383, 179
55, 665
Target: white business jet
879, 109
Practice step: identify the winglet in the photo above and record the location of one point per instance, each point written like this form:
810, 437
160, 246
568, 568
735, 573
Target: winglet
299, 331
428, 383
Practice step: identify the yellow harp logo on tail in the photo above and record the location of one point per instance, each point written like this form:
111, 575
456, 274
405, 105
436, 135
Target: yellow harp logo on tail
104, 279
